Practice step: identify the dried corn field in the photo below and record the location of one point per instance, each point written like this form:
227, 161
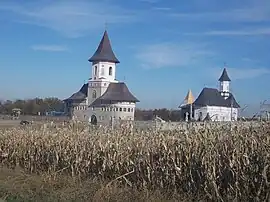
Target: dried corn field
216, 164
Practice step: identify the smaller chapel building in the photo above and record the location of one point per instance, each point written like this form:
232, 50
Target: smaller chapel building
215, 104
103, 98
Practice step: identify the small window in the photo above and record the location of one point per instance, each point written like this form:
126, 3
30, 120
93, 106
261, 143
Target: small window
94, 94
95, 73
131, 109
105, 84
116, 109
125, 109
110, 71
120, 109
128, 109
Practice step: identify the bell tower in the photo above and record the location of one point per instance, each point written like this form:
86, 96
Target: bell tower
224, 84
103, 69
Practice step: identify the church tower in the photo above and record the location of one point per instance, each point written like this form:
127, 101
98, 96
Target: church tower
103, 69
224, 82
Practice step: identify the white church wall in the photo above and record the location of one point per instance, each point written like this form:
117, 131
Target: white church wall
225, 86
217, 113
102, 69
98, 88
200, 112
121, 110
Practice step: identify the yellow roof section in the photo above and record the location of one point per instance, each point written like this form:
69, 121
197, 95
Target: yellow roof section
189, 99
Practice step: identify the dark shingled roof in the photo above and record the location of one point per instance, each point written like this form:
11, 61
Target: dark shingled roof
212, 97
80, 95
115, 92
224, 76
104, 51
232, 100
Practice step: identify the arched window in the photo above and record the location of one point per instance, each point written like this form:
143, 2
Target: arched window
94, 94
110, 71
95, 73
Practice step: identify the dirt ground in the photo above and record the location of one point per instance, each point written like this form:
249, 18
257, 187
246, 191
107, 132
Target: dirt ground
6, 121
9, 123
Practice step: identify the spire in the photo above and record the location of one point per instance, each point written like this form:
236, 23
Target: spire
104, 52
224, 76
189, 99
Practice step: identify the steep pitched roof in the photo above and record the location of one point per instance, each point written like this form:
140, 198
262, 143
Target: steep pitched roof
224, 76
104, 51
212, 97
115, 92
189, 99
80, 95
232, 101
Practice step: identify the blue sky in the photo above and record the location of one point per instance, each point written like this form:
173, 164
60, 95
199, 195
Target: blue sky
165, 47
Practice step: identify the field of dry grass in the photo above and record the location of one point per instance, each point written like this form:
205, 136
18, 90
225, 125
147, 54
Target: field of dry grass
83, 163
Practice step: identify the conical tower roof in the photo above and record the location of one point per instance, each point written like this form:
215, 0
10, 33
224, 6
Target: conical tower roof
189, 99
224, 76
104, 52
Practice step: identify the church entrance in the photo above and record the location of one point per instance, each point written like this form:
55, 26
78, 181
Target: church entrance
93, 120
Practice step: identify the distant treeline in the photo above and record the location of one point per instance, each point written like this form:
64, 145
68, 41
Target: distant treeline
42, 106
38, 105
32, 106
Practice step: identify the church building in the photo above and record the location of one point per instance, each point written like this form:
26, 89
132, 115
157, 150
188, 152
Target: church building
215, 104
103, 98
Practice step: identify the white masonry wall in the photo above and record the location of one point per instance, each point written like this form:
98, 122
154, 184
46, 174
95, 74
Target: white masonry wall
121, 110
217, 113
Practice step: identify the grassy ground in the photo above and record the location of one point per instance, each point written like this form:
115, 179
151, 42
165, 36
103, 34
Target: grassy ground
16, 185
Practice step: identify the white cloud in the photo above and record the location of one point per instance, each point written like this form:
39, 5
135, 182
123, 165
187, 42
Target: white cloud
162, 8
239, 73
251, 11
71, 18
247, 73
251, 32
171, 55
150, 1
51, 48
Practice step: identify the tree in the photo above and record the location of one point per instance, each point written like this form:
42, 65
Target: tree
32, 106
